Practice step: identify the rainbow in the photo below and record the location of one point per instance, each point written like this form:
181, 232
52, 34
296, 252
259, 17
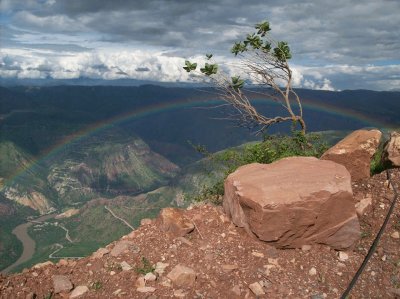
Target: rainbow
169, 106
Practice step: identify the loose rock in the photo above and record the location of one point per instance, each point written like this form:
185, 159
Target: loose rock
146, 289
257, 289
121, 247
182, 276
355, 152
363, 205
79, 291
312, 271
174, 222
343, 256
160, 268
391, 152
61, 283
150, 277
125, 266
100, 253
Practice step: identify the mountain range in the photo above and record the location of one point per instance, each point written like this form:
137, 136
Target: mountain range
130, 149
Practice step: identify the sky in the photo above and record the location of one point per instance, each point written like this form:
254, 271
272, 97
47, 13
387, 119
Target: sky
336, 45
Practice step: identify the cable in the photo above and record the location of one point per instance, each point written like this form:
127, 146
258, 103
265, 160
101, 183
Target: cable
376, 241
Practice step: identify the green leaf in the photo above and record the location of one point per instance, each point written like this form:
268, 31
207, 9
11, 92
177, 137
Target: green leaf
237, 83
239, 47
263, 28
189, 66
209, 69
266, 47
282, 51
254, 41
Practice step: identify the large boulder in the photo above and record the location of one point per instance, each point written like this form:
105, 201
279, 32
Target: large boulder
391, 152
355, 152
293, 202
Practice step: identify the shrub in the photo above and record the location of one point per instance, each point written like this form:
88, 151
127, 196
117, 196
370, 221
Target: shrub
272, 148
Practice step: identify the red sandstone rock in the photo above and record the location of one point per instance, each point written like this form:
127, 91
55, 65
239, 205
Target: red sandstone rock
391, 152
182, 276
293, 202
174, 222
355, 152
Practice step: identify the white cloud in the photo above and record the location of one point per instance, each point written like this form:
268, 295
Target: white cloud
115, 63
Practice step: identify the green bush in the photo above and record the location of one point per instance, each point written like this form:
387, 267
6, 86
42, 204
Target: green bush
272, 148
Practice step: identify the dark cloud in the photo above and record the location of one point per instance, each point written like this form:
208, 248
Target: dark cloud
320, 33
142, 69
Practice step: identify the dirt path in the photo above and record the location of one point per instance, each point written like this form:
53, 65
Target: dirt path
119, 218
28, 244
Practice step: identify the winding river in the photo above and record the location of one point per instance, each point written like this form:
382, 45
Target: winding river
28, 244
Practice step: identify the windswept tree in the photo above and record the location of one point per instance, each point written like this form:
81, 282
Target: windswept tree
265, 63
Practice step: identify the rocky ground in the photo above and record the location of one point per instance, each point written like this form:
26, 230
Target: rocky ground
219, 260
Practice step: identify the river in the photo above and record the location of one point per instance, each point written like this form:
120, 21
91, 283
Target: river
28, 244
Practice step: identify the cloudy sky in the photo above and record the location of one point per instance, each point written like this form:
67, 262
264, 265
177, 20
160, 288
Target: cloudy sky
341, 44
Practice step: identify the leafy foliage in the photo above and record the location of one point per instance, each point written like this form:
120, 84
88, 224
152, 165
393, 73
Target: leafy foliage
209, 69
190, 66
147, 267
272, 148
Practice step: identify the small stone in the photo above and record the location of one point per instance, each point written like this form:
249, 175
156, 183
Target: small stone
61, 283
312, 271
273, 261
179, 294
257, 254
223, 235
182, 276
146, 221
224, 218
34, 274
341, 265
125, 266
384, 258
185, 241
112, 273
150, 277
363, 205
99, 253
43, 265
117, 292
146, 289
236, 290
140, 282
373, 273
257, 289
382, 205
31, 295
166, 282
78, 291
395, 235
229, 268
174, 222
160, 268
121, 247
62, 262
306, 247
343, 256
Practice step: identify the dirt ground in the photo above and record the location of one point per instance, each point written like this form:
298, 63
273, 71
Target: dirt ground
226, 261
